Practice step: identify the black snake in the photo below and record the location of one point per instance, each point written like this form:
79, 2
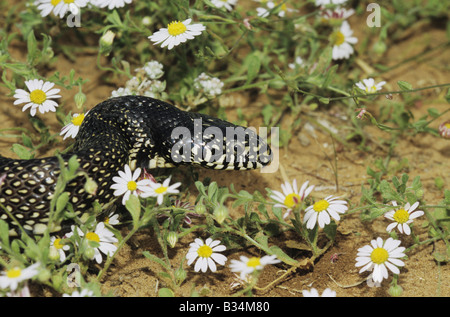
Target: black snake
135, 130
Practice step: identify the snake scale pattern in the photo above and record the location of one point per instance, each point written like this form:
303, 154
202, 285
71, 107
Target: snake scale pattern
132, 130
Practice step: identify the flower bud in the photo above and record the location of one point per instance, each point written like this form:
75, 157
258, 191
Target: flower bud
200, 209
180, 275
172, 239
220, 213
89, 253
106, 42
395, 290
53, 254
80, 99
90, 186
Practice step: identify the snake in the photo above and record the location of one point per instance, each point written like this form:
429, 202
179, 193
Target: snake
140, 131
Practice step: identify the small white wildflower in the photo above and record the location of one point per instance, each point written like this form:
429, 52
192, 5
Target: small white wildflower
111, 4
71, 129
59, 247
298, 62
38, 97
210, 86
246, 265
380, 256
207, 254
13, 276
342, 41
227, 4
314, 293
402, 217
321, 211
103, 236
176, 33
369, 85
121, 92
159, 190
153, 69
291, 196
126, 184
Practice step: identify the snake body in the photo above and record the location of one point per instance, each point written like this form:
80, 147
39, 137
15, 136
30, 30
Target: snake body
133, 130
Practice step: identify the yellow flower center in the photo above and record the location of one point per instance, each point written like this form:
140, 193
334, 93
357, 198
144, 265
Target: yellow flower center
78, 119
292, 200
338, 38
55, 2
92, 236
176, 28
447, 125
14, 273
401, 216
161, 190
57, 244
204, 251
132, 185
38, 96
69, 1
321, 205
379, 255
254, 262
371, 89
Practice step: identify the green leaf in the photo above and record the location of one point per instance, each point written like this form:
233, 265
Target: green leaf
22, 152
154, 258
283, 256
165, 292
405, 86
133, 206
31, 48
62, 201
447, 96
253, 66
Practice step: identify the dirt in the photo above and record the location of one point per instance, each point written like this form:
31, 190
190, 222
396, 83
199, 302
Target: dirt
134, 275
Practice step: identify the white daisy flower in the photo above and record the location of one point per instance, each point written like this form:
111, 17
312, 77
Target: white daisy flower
322, 210
71, 129
369, 85
207, 254
59, 247
64, 6
84, 293
314, 293
402, 217
159, 190
13, 276
46, 6
325, 2
227, 4
444, 129
127, 184
104, 237
380, 256
112, 219
111, 4
281, 9
291, 196
337, 13
176, 33
342, 41
210, 86
246, 265
39, 96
